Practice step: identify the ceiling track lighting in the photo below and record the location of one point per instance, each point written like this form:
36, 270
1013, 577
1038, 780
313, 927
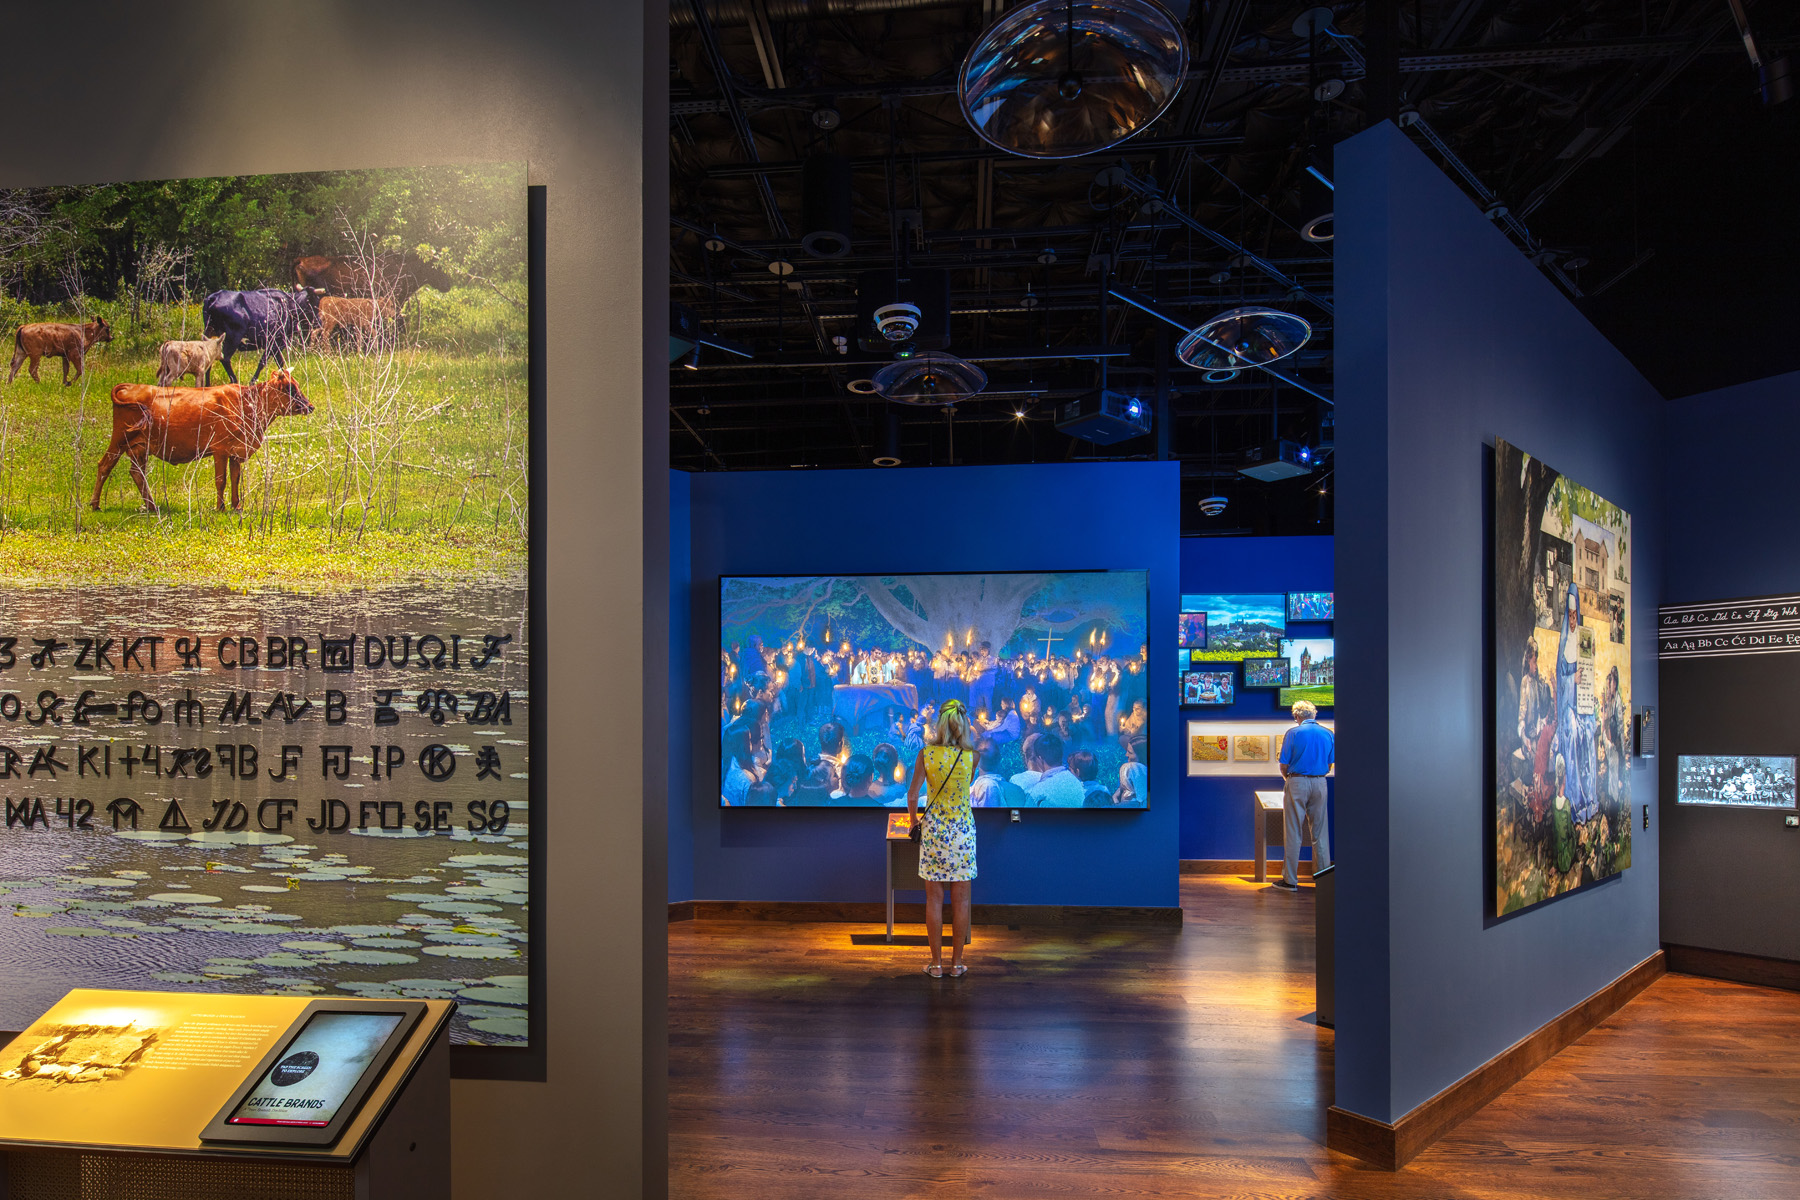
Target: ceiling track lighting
1063, 78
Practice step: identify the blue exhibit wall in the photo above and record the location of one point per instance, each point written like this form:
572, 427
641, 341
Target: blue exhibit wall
1447, 338
681, 689
1216, 813
1730, 488
1018, 518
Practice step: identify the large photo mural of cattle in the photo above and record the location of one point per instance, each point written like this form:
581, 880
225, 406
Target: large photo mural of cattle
264, 590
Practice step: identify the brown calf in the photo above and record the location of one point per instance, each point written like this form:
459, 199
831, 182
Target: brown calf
370, 322
179, 425
49, 339
179, 359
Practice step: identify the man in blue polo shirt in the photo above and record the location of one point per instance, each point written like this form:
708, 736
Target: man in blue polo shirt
1306, 758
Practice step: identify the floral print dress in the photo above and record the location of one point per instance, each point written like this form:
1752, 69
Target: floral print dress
947, 843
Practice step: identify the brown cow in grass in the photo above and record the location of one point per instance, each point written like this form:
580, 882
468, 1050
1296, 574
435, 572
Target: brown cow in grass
368, 322
50, 339
179, 425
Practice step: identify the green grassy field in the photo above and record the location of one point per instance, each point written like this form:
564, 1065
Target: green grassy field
1321, 695
413, 466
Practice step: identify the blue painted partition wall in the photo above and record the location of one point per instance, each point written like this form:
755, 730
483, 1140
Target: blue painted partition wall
1447, 338
1216, 813
1730, 481
1023, 518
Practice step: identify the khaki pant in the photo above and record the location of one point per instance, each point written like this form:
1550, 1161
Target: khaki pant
1301, 798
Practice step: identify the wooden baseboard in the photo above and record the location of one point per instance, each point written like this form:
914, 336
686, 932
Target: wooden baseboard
1739, 968
1234, 866
1393, 1146
862, 912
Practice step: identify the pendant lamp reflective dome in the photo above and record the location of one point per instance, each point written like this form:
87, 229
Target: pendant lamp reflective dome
1244, 337
1063, 78
930, 378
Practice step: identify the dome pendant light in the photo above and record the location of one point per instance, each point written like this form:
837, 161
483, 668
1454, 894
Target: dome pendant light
929, 378
1243, 337
1064, 78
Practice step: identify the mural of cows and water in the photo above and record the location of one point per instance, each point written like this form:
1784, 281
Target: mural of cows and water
265, 651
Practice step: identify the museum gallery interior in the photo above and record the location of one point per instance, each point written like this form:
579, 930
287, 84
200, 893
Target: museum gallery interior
835, 694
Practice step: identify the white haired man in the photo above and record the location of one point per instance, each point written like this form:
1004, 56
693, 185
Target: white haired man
1307, 755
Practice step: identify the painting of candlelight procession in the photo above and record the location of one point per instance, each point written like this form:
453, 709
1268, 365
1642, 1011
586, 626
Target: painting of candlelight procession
1562, 613
828, 685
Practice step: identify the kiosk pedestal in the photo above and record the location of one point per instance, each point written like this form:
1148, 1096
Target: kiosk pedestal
902, 871
127, 1122
1269, 831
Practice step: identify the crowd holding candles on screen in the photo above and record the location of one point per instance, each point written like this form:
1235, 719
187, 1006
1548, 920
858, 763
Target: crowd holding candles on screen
1076, 700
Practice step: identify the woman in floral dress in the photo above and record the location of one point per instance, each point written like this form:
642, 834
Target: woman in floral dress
946, 834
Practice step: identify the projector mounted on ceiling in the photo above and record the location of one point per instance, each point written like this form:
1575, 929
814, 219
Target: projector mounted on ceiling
1276, 461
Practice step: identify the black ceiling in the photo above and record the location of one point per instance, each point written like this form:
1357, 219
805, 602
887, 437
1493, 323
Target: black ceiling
1626, 137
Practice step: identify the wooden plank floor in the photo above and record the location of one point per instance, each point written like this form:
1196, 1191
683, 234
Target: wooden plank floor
1126, 1064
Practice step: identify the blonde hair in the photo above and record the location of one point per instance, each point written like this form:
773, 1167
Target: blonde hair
1304, 710
953, 727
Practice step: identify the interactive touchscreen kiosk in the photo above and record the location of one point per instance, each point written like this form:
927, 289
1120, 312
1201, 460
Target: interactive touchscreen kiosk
309, 1086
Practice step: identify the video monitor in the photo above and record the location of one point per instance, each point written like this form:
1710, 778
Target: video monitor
1239, 627
1267, 673
829, 685
1193, 631
1312, 671
1735, 780
306, 1090
1203, 687
1311, 606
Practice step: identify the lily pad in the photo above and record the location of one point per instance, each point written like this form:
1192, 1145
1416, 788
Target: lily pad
242, 837
485, 860
472, 951
152, 835
502, 1026
387, 943
460, 906
517, 997
371, 958
261, 887
302, 945
185, 898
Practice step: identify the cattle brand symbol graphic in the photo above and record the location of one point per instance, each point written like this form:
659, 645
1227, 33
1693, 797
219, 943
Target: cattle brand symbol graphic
438, 762
294, 1068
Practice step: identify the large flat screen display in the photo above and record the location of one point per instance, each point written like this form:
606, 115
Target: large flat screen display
828, 684
1239, 627
1735, 781
1312, 671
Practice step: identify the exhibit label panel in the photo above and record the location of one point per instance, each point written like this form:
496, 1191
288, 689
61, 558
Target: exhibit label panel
1562, 629
265, 640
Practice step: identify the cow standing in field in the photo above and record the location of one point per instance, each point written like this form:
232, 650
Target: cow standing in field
393, 277
178, 359
269, 319
370, 322
50, 339
180, 425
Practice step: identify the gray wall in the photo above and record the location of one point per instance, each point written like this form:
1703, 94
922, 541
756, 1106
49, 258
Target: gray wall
1448, 339
113, 91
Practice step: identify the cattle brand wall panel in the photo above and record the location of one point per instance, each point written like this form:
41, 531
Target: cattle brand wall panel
265, 649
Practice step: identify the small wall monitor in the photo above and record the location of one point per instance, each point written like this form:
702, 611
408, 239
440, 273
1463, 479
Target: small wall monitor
1193, 631
1204, 687
306, 1090
1312, 670
1267, 673
1311, 606
1735, 780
